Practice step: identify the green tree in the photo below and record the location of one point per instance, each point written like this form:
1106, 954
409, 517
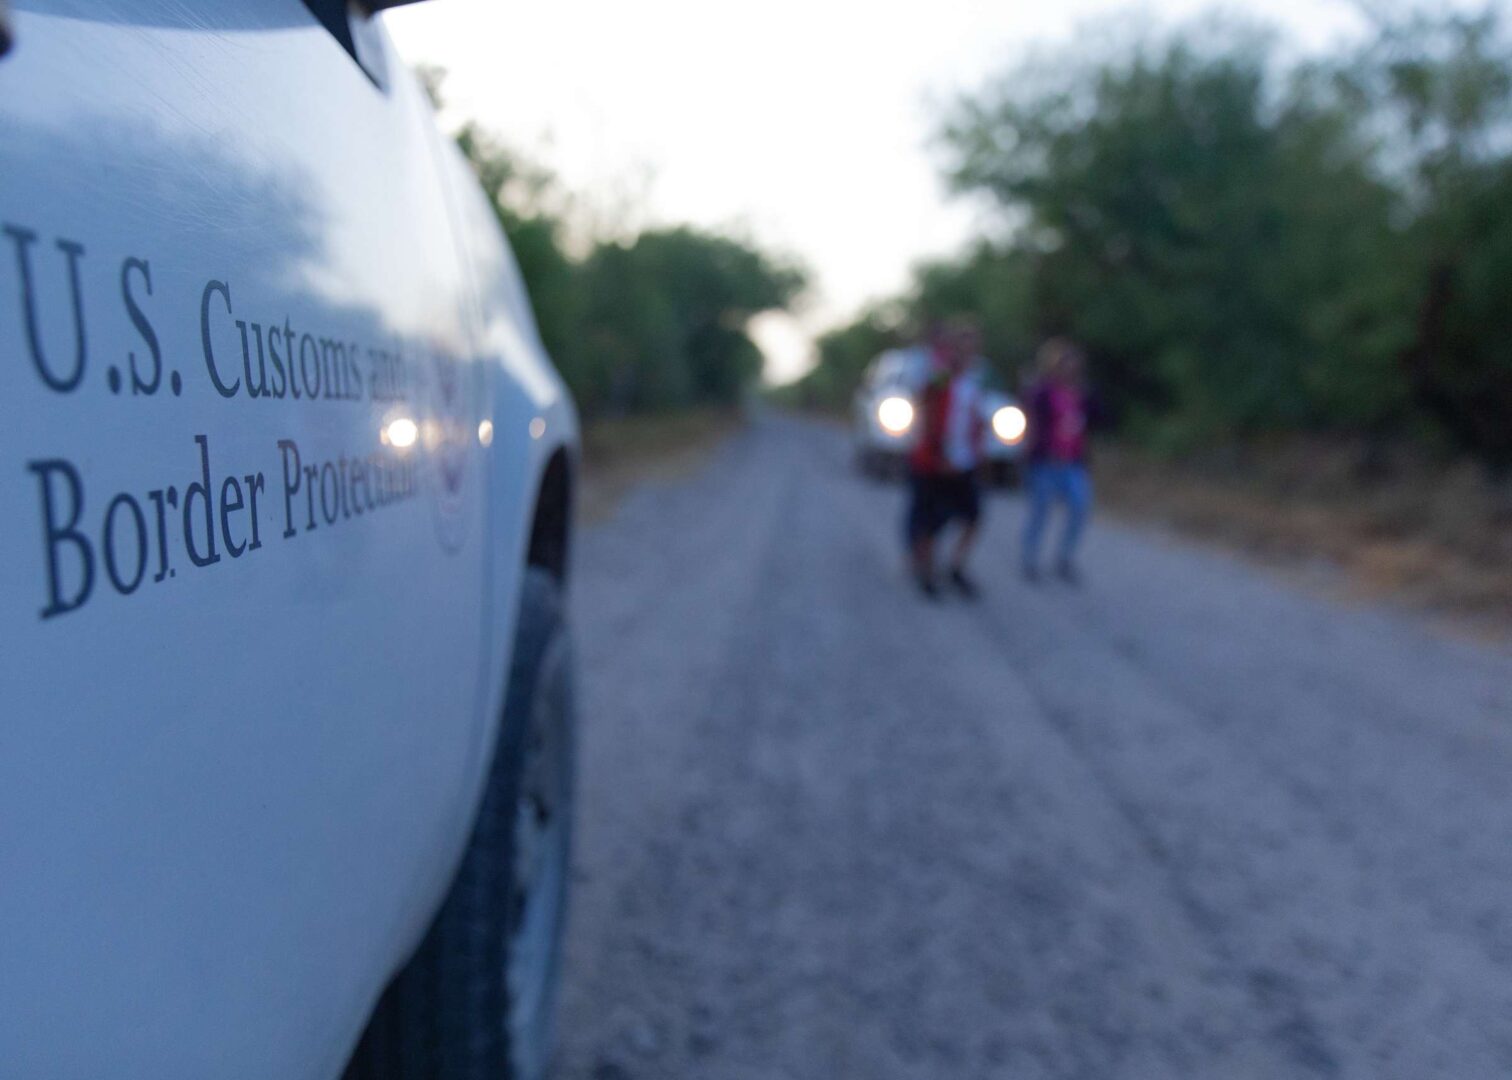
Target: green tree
669, 312
655, 321
843, 354
1443, 84
1246, 247
1202, 232
994, 284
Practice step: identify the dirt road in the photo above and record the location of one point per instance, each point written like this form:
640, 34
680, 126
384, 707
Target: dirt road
1186, 821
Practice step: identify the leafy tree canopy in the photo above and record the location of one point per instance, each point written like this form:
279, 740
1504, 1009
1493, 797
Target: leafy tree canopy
1244, 244
653, 321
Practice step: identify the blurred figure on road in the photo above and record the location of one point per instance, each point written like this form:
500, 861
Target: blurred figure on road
1059, 407
948, 455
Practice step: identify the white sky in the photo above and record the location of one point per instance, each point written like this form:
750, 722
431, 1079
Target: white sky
804, 124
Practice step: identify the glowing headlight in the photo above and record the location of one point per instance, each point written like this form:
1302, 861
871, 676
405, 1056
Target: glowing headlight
401, 433
1009, 423
895, 415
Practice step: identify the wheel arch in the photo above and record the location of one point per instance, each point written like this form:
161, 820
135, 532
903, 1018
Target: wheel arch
550, 544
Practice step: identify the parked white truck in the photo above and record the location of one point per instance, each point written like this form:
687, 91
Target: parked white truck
885, 427
285, 491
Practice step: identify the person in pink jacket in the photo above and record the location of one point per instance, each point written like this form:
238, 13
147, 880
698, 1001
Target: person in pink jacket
1059, 408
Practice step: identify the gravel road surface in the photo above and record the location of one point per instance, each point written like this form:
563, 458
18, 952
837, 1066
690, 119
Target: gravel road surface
1186, 821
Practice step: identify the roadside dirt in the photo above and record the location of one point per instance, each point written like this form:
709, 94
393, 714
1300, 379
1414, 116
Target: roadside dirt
1433, 536
623, 452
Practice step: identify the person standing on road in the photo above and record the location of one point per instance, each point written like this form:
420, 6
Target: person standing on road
1059, 410
947, 456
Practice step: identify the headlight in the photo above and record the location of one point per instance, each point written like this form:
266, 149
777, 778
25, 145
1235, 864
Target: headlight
1009, 423
895, 414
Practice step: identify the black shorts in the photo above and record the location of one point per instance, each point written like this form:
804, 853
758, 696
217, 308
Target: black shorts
939, 499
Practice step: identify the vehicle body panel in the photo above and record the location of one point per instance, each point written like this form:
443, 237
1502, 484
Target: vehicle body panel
232, 794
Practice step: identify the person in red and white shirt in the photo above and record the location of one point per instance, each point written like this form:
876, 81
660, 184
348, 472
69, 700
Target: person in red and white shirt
946, 458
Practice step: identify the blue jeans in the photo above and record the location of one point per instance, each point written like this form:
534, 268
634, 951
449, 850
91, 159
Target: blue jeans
1049, 481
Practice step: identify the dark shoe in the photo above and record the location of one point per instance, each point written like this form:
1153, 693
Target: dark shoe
1031, 574
964, 584
927, 586
1067, 572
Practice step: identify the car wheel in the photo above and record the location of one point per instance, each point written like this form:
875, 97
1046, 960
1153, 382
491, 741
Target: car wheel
476, 1001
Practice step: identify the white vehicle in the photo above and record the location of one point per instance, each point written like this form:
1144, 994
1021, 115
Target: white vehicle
285, 490
885, 422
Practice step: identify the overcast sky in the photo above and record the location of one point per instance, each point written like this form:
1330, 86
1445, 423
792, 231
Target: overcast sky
804, 123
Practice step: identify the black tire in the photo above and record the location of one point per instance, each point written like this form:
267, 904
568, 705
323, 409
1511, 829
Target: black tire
460, 1010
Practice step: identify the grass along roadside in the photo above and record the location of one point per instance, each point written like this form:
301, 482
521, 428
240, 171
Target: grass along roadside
1434, 535
621, 452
